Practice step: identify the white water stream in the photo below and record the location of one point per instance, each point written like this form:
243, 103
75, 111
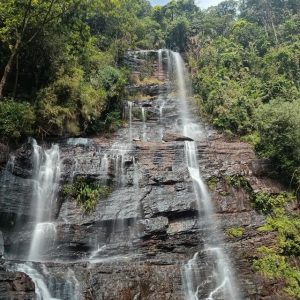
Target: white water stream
224, 282
46, 176
46, 182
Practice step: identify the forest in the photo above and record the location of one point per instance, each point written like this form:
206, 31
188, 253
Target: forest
62, 75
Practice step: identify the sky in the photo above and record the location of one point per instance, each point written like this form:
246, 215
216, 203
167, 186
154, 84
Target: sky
201, 3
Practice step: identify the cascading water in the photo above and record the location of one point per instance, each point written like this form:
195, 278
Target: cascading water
130, 104
46, 182
223, 286
144, 135
41, 290
160, 65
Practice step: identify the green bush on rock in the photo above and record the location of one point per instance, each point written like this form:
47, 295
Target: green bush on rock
86, 193
268, 203
275, 266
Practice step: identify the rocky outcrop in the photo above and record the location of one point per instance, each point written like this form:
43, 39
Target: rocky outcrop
173, 137
23, 162
16, 285
15, 194
149, 90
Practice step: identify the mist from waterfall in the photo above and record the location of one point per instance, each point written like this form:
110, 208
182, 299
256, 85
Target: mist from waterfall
224, 282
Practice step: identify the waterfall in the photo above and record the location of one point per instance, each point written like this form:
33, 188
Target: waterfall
41, 289
223, 279
160, 65
120, 154
130, 104
46, 181
144, 135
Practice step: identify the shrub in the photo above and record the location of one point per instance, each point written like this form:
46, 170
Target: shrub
267, 203
275, 266
16, 119
235, 232
279, 128
86, 193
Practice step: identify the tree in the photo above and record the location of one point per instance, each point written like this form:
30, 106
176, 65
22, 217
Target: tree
21, 23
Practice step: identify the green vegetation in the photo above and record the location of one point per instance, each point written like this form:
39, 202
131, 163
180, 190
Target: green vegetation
280, 260
86, 193
244, 57
16, 119
268, 204
212, 183
237, 181
275, 266
60, 63
235, 232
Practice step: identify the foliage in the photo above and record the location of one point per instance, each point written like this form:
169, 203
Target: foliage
86, 193
212, 183
16, 119
238, 181
267, 204
275, 266
279, 129
246, 73
235, 232
277, 261
288, 228
63, 56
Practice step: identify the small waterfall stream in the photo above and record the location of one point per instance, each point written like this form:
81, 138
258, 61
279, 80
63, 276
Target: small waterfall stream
224, 282
46, 181
46, 177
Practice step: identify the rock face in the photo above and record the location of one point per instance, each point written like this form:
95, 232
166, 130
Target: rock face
23, 162
1, 245
4, 154
16, 285
172, 137
137, 240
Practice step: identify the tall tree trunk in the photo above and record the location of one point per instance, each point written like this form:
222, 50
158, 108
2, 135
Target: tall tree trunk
16, 78
8, 67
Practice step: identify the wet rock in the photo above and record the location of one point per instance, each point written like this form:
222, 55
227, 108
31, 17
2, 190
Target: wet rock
147, 104
173, 137
16, 285
153, 225
4, 154
187, 224
23, 164
149, 90
1, 245
169, 202
15, 194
